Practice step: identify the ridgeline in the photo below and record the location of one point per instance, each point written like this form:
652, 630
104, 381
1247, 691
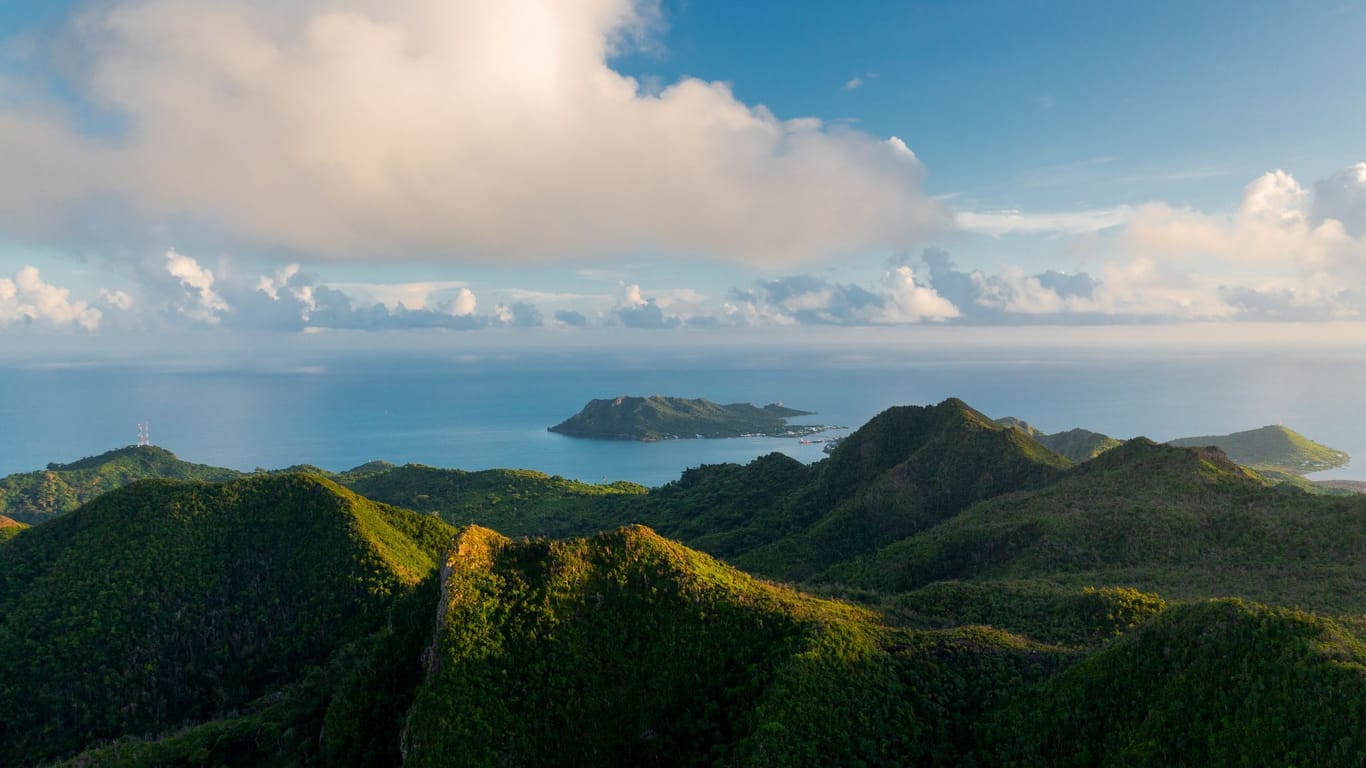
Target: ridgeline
1002, 605
36, 497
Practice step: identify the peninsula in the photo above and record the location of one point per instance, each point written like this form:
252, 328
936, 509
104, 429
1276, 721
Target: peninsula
1273, 448
672, 418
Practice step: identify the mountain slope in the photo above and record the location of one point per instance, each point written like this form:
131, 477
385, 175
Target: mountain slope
1273, 447
1223, 683
904, 471
9, 528
1064, 616
1180, 522
707, 665
168, 602
517, 501
1077, 445
36, 497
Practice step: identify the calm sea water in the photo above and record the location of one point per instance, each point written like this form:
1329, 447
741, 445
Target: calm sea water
477, 415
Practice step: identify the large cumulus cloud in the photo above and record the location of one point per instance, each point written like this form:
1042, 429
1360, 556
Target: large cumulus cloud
443, 128
1304, 246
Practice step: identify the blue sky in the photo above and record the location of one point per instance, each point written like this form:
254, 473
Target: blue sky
1052, 104
686, 166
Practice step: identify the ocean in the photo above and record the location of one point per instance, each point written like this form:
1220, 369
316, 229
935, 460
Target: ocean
493, 412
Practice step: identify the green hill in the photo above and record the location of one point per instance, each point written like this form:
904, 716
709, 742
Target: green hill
1077, 445
282, 620
904, 471
1015, 609
1213, 684
166, 603
707, 665
36, 497
1274, 448
1181, 522
668, 418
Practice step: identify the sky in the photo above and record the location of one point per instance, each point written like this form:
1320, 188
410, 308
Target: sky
179, 170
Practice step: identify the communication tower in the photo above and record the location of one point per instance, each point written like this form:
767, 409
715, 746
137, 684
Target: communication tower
144, 434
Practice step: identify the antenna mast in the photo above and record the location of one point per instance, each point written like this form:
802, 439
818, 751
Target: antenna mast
144, 434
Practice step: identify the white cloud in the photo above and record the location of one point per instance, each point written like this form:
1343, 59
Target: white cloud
26, 299
203, 303
414, 295
1136, 289
629, 296
858, 81
1272, 226
271, 284
1342, 196
809, 300
1141, 287
907, 301
1008, 222
559, 297
117, 299
463, 303
444, 128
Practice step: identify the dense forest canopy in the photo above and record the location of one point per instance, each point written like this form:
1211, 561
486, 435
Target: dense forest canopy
964, 594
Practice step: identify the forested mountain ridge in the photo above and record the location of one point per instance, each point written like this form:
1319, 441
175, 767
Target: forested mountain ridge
626, 648
1219, 683
713, 666
518, 502
36, 497
168, 602
904, 471
1179, 521
1013, 608
1077, 445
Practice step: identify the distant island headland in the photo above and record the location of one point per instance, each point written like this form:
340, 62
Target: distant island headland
657, 417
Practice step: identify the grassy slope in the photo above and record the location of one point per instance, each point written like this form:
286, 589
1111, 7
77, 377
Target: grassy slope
661, 418
36, 497
169, 602
1271, 447
1222, 683
706, 665
1180, 522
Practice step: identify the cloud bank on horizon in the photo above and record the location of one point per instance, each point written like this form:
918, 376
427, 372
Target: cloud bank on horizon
315, 135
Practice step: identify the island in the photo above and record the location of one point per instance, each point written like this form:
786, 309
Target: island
1275, 451
1271, 450
657, 417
